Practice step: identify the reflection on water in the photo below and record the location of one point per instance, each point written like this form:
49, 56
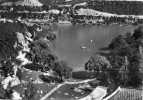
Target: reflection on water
75, 44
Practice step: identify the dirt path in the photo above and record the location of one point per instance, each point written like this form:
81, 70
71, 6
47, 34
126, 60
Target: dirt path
52, 91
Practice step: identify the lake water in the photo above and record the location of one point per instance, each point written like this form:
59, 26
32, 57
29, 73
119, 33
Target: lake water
75, 44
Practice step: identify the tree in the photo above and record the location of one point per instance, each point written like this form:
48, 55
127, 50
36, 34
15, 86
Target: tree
30, 91
62, 69
123, 71
100, 65
125, 57
66, 73
39, 51
119, 46
7, 68
7, 50
138, 32
2, 92
41, 54
97, 63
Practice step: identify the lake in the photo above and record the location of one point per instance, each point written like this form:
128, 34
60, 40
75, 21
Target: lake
76, 43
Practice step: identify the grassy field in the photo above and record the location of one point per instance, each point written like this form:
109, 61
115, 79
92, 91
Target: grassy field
67, 92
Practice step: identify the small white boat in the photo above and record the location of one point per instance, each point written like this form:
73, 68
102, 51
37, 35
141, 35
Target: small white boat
83, 47
91, 41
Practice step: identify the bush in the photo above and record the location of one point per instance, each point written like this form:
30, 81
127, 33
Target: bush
83, 75
50, 79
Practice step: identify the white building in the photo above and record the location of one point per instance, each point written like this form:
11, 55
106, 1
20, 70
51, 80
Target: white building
34, 3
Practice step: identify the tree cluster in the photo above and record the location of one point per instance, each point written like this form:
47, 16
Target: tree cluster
43, 58
124, 55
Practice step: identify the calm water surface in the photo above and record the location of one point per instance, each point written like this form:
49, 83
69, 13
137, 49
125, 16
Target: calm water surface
75, 44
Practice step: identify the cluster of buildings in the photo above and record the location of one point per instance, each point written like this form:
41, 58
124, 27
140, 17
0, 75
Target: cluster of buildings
67, 11
33, 3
